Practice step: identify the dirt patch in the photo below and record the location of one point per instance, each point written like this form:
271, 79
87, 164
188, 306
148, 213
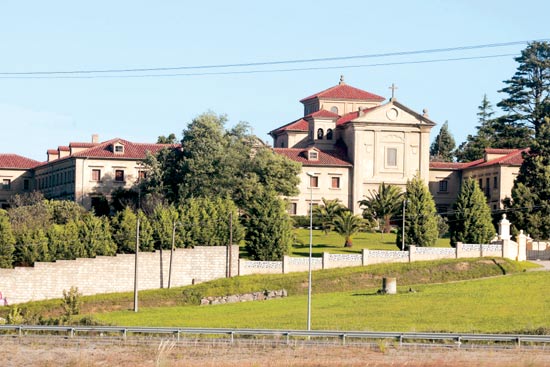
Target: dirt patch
462, 266
33, 352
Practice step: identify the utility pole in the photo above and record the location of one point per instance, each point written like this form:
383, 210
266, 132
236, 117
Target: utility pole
229, 250
403, 231
136, 268
172, 253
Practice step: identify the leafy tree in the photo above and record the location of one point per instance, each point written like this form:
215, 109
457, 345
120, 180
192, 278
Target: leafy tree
64, 242
471, 221
442, 148
327, 212
421, 228
170, 139
64, 211
124, 226
268, 225
164, 220
528, 90
31, 245
218, 162
346, 224
95, 235
206, 222
383, 205
7, 241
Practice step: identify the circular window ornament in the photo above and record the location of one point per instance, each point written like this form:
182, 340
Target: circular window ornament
392, 114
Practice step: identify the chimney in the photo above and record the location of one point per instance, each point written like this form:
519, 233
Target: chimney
95, 139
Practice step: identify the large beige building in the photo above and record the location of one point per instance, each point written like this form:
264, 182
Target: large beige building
349, 141
83, 172
495, 173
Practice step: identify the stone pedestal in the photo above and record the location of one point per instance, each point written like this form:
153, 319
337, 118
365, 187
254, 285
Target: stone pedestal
389, 285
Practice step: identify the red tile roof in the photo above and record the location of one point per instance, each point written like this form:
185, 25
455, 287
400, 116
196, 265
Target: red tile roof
16, 161
344, 91
326, 158
51, 151
499, 151
323, 113
131, 150
81, 145
514, 157
63, 148
296, 125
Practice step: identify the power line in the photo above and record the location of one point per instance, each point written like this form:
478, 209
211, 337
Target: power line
258, 71
279, 62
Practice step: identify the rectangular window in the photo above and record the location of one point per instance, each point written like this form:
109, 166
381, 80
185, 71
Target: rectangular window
495, 182
313, 181
443, 186
335, 182
391, 157
119, 175
96, 174
292, 208
6, 184
480, 183
142, 175
119, 149
26, 185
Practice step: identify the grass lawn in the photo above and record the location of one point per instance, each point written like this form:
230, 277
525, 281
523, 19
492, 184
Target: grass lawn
334, 243
514, 303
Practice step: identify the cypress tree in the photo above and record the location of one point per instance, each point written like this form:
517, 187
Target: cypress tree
471, 222
421, 228
442, 149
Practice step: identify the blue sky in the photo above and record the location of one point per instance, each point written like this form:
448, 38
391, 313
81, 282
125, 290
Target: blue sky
38, 114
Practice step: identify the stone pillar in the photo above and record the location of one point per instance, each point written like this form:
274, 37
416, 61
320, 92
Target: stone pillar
325, 262
504, 228
521, 239
285, 264
389, 285
365, 259
412, 249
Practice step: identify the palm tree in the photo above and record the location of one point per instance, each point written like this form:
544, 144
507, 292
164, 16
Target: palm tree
382, 205
346, 224
327, 212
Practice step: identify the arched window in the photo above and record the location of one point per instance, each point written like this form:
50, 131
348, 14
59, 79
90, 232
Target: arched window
334, 109
320, 134
329, 134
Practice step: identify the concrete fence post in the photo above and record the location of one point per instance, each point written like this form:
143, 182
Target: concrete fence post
459, 250
365, 257
286, 264
412, 250
504, 228
521, 239
325, 264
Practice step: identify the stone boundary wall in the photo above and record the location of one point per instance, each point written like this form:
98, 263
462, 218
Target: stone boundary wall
501, 248
109, 274
247, 297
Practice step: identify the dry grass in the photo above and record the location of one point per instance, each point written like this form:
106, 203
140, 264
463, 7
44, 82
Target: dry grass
16, 352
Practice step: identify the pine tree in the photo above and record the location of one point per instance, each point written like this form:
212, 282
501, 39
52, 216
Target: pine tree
95, 235
500, 132
442, 148
471, 221
421, 228
528, 100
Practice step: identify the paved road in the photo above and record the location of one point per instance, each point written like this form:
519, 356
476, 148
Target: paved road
544, 263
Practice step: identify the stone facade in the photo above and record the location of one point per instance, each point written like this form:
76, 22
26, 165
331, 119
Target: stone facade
350, 142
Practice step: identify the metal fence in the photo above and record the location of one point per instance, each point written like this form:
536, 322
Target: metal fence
290, 337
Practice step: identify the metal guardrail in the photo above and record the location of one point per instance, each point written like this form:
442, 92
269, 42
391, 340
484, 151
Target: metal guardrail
343, 337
